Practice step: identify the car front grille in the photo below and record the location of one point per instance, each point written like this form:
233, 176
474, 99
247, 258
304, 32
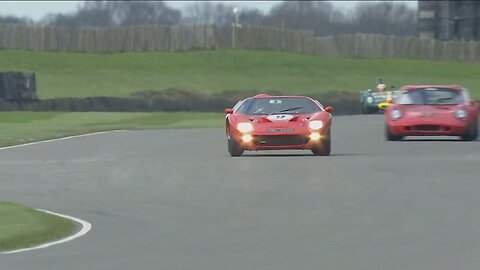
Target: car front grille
427, 128
280, 140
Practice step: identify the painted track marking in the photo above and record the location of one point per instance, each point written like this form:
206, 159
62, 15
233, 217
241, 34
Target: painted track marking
86, 227
59, 139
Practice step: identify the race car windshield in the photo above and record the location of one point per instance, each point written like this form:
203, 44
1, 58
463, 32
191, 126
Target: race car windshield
290, 105
431, 96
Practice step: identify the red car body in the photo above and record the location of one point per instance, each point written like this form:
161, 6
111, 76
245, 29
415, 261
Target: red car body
278, 131
433, 118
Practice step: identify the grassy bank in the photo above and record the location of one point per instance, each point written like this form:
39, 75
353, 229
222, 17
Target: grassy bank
81, 75
24, 127
22, 227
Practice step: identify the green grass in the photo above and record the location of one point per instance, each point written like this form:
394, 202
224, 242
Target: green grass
25, 127
22, 227
80, 75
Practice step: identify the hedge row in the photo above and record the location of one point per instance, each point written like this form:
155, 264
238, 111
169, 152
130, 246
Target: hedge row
172, 100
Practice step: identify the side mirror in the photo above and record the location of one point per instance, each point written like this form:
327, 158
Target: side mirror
228, 110
329, 109
393, 87
473, 102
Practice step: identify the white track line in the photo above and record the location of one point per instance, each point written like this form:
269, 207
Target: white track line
58, 139
86, 227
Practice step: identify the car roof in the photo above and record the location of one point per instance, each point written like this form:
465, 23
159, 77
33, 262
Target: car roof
283, 96
413, 87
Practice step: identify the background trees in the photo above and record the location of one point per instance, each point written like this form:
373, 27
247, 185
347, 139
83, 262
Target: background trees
381, 17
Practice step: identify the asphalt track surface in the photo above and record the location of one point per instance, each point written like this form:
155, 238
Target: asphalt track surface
174, 199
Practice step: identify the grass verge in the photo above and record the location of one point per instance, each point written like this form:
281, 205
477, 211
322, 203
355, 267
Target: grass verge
25, 127
22, 227
120, 75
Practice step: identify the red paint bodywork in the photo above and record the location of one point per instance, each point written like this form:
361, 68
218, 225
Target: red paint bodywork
431, 120
260, 125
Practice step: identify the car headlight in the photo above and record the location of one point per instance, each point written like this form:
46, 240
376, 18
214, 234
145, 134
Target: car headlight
396, 114
461, 114
315, 124
369, 99
245, 127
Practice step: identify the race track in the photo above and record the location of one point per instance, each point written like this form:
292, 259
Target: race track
174, 199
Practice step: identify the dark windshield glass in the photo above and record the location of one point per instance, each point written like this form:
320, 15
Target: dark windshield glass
293, 105
431, 96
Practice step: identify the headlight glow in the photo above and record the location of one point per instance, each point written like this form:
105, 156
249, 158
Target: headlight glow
245, 127
315, 124
247, 138
461, 114
369, 99
396, 114
315, 136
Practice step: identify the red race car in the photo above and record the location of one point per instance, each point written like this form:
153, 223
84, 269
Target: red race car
265, 122
432, 110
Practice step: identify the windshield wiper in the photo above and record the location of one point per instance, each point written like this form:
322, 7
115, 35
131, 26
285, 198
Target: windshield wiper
286, 110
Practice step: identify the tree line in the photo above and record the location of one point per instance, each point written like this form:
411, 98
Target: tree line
387, 17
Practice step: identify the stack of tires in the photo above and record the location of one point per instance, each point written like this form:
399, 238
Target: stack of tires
18, 86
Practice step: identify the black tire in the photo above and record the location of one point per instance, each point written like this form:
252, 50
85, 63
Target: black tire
324, 148
365, 109
391, 137
475, 136
471, 134
233, 148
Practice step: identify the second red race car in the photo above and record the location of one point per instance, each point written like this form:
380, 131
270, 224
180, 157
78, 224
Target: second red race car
432, 110
265, 122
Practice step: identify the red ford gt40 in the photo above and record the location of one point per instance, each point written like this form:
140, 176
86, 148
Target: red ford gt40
265, 122
433, 110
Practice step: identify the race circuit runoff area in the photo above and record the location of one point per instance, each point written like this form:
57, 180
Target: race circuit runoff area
85, 226
175, 199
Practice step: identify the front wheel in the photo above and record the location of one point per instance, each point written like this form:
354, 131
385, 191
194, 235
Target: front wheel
234, 148
390, 136
471, 134
324, 148
365, 109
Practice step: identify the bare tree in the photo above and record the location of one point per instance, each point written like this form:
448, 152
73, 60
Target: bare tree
94, 13
224, 14
384, 18
14, 20
143, 12
312, 15
390, 18
200, 13
251, 17
208, 13
117, 13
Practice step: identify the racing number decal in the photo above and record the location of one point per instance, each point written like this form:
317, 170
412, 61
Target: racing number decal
280, 117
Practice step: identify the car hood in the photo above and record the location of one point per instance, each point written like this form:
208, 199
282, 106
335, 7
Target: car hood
430, 110
280, 119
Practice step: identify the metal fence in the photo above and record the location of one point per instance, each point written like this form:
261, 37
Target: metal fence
207, 37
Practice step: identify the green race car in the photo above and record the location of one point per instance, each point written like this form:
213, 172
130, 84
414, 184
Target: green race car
373, 102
